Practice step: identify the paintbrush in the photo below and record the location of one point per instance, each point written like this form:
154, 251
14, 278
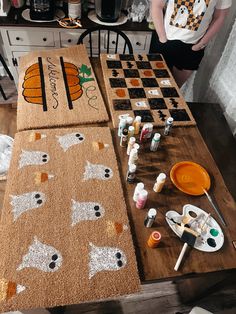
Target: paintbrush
216, 208
189, 237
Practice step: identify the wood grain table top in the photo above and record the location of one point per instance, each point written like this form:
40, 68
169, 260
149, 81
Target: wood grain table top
184, 143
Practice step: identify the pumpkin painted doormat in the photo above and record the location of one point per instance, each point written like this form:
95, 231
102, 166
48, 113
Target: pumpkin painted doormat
65, 235
58, 88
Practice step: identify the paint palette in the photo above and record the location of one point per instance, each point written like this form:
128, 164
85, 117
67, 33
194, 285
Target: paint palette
211, 236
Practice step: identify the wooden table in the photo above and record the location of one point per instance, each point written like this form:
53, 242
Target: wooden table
183, 144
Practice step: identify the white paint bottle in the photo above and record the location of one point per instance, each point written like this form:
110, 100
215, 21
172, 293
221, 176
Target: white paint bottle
130, 144
139, 187
160, 181
155, 142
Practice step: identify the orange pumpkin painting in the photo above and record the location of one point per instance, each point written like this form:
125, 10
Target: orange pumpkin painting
120, 92
160, 65
134, 82
148, 73
33, 85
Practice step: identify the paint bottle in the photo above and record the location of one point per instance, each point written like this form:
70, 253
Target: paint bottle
133, 157
137, 124
124, 138
129, 121
155, 142
168, 125
139, 187
130, 132
74, 9
122, 125
154, 239
142, 199
131, 173
136, 146
131, 143
149, 220
160, 181
146, 132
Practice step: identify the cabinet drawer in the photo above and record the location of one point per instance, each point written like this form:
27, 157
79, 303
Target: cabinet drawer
69, 38
31, 38
138, 41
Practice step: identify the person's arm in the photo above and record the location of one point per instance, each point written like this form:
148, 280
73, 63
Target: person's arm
214, 27
158, 19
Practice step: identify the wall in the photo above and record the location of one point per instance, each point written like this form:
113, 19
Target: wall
214, 80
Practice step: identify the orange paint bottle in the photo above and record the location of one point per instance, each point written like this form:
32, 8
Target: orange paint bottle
154, 239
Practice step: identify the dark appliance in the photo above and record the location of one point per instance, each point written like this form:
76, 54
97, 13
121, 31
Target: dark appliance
42, 10
108, 10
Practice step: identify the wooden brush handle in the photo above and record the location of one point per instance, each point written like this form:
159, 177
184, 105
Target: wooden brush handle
181, 255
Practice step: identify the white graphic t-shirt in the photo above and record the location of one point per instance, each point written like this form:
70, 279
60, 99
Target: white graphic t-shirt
188, 20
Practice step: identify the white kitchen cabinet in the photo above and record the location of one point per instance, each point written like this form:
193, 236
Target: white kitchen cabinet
17, 41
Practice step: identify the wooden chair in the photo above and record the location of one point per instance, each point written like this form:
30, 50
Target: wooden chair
105, 39
9, 74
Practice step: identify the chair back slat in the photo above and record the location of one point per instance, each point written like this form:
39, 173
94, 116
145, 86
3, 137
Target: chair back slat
127, 47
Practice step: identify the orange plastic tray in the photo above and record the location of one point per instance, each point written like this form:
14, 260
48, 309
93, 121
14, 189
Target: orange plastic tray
189, 177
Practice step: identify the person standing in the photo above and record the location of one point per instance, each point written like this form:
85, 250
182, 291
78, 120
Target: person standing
184, 28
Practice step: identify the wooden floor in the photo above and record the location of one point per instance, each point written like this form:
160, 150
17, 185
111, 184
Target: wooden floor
155, 298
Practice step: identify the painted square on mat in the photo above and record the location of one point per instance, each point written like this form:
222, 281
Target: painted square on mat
179, 115
126, 57
149, 82
113, 64
146, 115
169, 92
161, 73
143, 65
154, 57
157, 103
131, 73
122, 104
136, 93
117, 82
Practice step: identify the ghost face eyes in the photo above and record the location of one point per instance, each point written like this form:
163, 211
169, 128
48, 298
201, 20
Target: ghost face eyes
52, 265
38, 199
97, 212
79, 136
107, 173
119, 261
44, 158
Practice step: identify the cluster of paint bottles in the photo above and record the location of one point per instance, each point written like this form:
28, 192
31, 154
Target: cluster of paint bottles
127, 130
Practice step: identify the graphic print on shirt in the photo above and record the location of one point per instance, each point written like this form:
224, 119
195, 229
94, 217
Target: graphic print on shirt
188, 14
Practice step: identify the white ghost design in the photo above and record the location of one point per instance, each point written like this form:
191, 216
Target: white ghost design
29, 158
68, 140
105, 258
199, 7
86, 211
181, 16
96, 171
41, 256
24, 202
153, 92
166, 82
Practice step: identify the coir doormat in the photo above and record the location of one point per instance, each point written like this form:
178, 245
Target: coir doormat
65, 235
142, 85
58, 88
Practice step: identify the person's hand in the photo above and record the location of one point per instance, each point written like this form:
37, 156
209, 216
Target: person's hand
198, 47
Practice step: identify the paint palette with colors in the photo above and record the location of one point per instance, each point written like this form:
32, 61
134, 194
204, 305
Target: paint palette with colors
211, 236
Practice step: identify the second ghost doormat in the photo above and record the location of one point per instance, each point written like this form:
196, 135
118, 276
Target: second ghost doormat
65, 235
58, 88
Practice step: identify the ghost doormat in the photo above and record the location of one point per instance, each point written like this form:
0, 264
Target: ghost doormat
58, 88
65, 235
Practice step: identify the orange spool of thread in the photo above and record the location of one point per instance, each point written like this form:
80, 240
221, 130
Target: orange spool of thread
154, 239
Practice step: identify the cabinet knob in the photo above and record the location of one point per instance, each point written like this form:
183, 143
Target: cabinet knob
113, 42
17, 38
138, 43
44, 39
69, 40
